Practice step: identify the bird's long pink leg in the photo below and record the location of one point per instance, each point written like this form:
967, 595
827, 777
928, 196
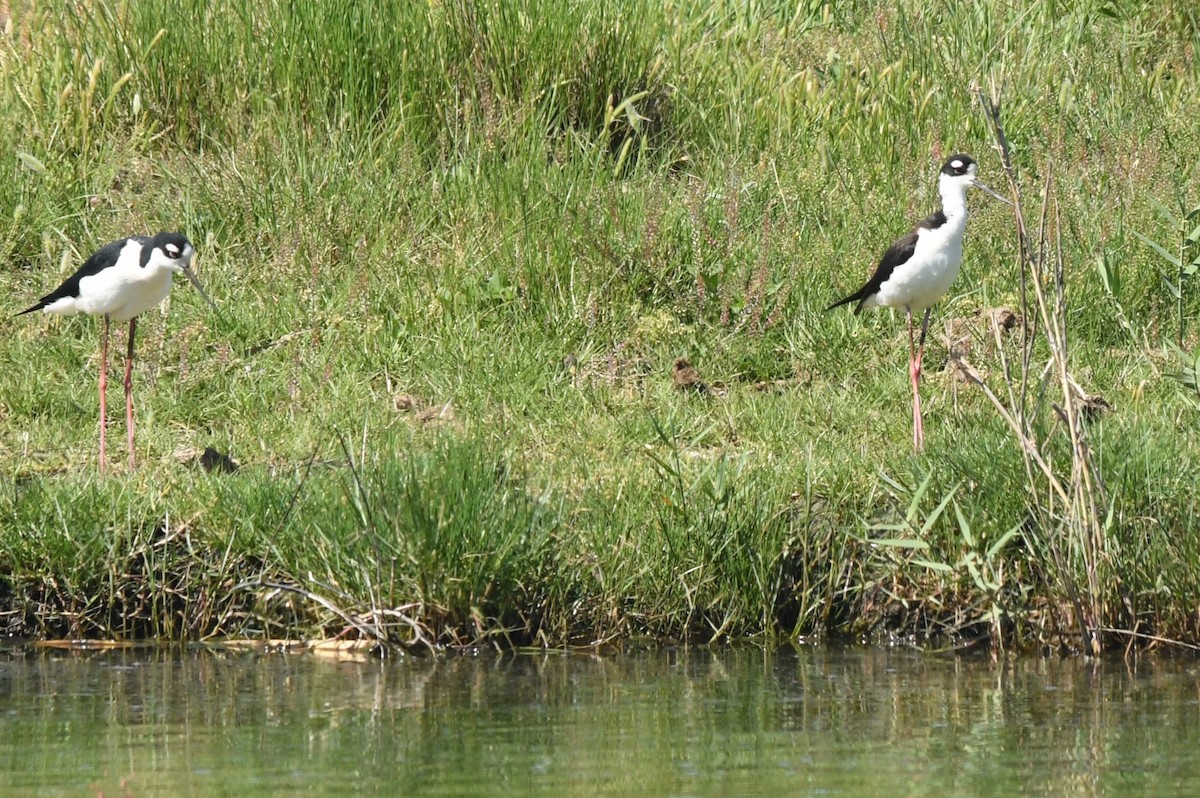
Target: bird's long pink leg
103, 390
129, 390
921, 341
918, 426
914, 373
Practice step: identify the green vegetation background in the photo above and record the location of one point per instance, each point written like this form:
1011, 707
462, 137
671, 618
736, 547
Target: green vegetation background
459, 247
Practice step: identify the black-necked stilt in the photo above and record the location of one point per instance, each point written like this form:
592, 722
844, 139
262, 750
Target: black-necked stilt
919, 268
119, 281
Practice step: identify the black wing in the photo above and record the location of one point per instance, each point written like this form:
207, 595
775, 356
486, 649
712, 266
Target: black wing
100, 260
897, 253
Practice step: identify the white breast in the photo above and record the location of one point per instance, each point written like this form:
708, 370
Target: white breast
121, 291
925, 277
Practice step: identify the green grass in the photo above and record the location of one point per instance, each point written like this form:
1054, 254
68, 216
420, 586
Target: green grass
458, 248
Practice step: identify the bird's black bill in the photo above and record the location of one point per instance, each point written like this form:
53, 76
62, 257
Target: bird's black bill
191, 275
981, 186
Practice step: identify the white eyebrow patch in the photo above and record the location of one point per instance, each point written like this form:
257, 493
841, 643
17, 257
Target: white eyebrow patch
956, 164
172, 250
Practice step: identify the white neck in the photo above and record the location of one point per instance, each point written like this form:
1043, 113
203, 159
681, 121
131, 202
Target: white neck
954, 196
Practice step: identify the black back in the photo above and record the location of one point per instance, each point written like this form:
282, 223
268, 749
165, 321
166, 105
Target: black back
897, 253
100, 260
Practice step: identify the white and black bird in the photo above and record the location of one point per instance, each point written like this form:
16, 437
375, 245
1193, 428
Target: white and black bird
119, 281
919, 268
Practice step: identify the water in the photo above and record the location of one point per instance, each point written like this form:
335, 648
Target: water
820, 721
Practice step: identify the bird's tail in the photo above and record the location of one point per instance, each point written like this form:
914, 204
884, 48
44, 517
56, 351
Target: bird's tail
855, 297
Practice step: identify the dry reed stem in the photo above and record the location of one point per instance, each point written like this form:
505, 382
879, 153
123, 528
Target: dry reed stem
1081, 494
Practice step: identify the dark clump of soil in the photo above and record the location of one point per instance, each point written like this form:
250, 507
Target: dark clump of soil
685, 377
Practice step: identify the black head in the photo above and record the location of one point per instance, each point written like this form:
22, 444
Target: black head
173, 251
173, 245
958, 173
959, 165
